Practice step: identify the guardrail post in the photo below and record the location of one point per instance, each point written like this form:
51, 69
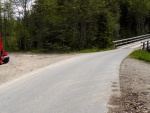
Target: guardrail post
147, 45
143, 45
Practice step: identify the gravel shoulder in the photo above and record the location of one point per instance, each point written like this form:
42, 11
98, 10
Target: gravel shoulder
23, 63
135, 88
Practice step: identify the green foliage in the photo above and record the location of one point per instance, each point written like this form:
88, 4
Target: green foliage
134, 17
76, 24
140, 55
72, 25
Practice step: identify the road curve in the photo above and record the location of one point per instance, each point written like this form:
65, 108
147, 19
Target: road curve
78, 85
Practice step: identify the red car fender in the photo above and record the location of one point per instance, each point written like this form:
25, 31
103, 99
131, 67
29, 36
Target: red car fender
4, 58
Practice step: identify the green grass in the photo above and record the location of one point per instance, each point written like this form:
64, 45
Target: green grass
65, 50
95, 50
88, 50
72, 51
140, 55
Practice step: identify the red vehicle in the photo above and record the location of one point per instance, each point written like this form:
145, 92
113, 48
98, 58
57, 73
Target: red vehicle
4, 58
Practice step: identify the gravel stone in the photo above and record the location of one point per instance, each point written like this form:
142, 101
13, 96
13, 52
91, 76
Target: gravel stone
23, 63
135, 88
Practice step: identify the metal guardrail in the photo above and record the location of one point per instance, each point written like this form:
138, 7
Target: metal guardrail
146, 45
130, 40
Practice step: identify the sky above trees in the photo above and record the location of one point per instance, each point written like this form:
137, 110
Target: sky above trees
17, 6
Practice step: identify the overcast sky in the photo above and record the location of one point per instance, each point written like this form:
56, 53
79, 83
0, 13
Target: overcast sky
30, 2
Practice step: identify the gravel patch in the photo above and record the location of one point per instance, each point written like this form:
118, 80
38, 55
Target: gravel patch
23, 63
135, 88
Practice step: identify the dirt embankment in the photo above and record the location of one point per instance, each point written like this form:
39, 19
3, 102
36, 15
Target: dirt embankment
135, 88
22, 63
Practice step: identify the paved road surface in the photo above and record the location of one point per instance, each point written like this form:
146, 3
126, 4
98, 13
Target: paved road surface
78, 85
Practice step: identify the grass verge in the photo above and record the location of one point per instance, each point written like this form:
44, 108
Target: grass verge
95, 50
73, 51
140, 55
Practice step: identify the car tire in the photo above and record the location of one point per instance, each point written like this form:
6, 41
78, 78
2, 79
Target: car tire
6, 60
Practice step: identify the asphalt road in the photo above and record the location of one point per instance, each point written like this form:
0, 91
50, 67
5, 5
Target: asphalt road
78, 85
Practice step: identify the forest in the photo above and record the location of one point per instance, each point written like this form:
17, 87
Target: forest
70, 25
